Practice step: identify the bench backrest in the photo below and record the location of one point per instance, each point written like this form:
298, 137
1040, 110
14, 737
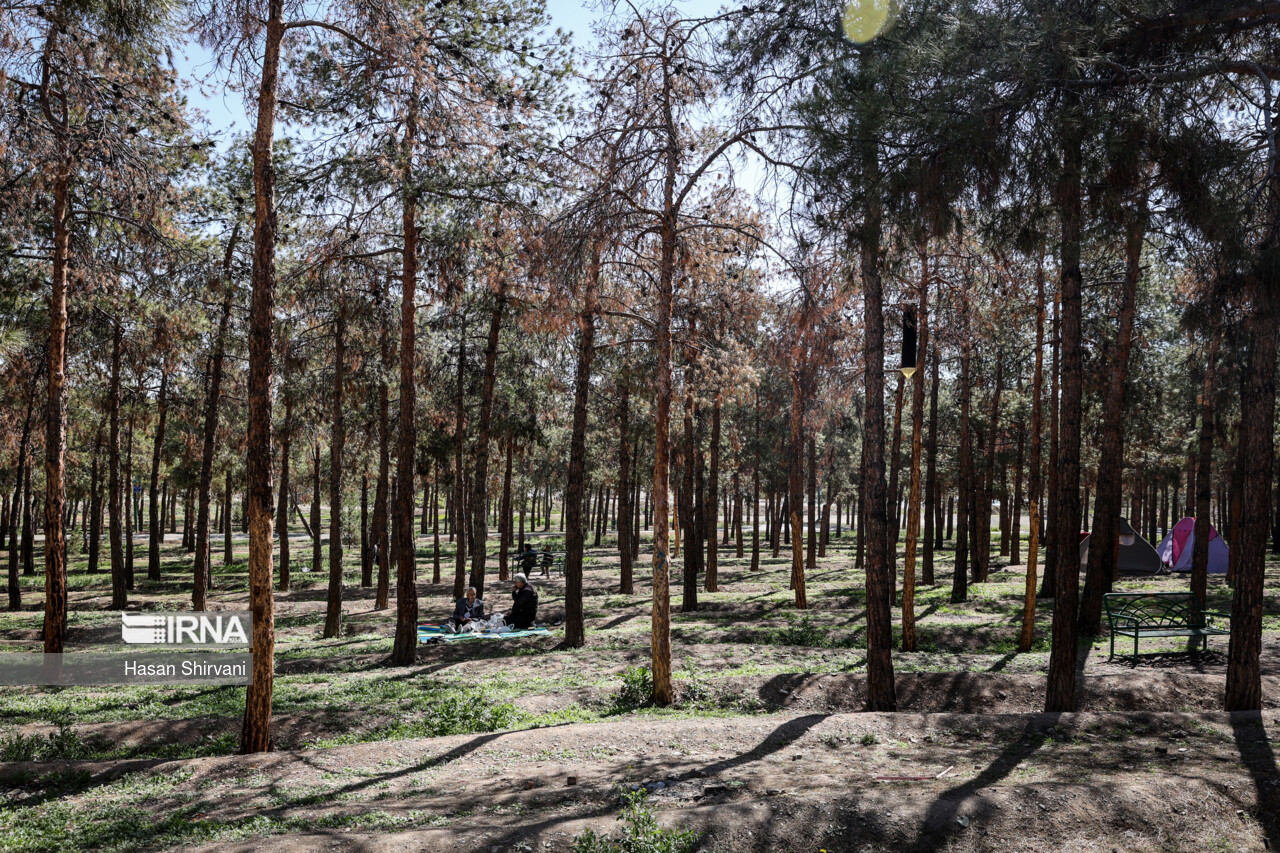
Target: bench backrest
1155, 609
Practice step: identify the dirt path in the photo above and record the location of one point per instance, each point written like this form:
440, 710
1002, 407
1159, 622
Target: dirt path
784, 782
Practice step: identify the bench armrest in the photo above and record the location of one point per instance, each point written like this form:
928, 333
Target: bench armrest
1122, 621
1209, 615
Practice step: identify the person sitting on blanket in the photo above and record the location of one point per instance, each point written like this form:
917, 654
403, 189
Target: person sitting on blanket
524, 608
528, 558
468, 609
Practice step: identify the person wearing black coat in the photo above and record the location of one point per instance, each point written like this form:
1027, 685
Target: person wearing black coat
524, 608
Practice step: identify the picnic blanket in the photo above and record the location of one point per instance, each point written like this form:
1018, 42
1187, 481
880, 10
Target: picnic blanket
427, 632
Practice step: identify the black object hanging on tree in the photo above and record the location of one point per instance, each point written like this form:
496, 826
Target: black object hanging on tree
908, 365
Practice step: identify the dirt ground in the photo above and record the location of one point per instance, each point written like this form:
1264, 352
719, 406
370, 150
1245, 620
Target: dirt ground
789, 781
767, 750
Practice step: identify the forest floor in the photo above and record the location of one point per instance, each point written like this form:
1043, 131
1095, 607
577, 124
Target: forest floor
525, 745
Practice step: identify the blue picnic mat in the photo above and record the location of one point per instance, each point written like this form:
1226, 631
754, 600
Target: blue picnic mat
426, 632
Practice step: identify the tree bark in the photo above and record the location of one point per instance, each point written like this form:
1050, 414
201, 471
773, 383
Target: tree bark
1061, 692
687, 500
960, 577
21, 507
1244, 679
795, 485
881, 694
316, 531
93, 523
1101, 567
337, 444
55, 443
1027, 635
256, 733
459, 481
713, 499
625, 509
480, 483
405, 649
282, 508
917, 452
155, 522
574, 631
201, 570
1204, 481
228, 553
366, 561
504, 536
932, 498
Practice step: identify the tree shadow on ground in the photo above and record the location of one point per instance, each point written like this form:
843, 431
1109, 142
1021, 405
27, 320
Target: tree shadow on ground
1251, 739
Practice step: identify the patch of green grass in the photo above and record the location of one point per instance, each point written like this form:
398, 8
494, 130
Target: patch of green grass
641, 834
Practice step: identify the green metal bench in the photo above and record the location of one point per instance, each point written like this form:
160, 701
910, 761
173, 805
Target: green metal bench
1159, 614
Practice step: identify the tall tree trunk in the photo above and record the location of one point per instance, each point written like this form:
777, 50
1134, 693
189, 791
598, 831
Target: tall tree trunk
201, 570
895, 468
55, 442
282, 508
687, 500
982, 534
480, 485
28, 528
228, 553
625, 509
795, 486
128, 506
1049, 582
932, 498
811, 496
256, 735
1101, 567
713, 498
459, 481
115, 532
316, 557
1027, 635
22, 507
660, 645
1235, 498
435, 523
1015, 509
1204, 480
94, 523
574, 630
881, 694
739, 548
1061, 692
755, 492
337, 444
917, 452
155, 523
1258, 397
382, 491
504, 535
960, 578
405, 649
366, 562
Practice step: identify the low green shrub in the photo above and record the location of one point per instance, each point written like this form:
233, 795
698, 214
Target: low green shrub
636, 689
642, 834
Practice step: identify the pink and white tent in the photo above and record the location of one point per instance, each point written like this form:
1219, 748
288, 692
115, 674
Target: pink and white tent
1176, 549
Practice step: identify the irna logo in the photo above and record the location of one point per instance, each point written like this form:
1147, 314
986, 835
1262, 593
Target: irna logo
207, 629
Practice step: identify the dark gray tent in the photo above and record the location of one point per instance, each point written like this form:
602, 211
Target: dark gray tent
1138, 558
